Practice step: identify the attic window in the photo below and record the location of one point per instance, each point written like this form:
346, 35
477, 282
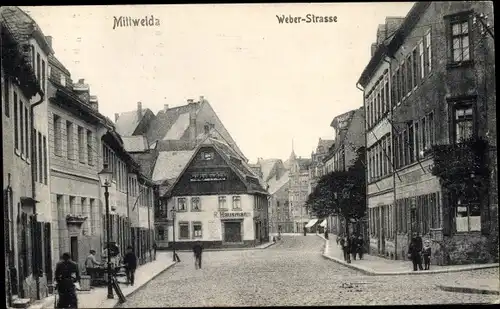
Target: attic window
207, 155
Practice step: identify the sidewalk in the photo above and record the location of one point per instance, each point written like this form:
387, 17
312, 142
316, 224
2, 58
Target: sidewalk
259, 247
484, 286
377, 266
97, 297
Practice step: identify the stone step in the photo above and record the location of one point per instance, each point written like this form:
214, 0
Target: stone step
21, 303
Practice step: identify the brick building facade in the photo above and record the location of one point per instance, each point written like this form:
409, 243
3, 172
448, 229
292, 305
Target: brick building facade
429, 83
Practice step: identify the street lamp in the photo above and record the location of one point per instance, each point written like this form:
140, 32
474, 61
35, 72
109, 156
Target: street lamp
173, 235
105, 179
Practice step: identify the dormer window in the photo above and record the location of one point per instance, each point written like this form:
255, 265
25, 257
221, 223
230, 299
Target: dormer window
63, 80
207, 155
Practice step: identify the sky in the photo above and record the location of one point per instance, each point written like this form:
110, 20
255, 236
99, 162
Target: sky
272, 84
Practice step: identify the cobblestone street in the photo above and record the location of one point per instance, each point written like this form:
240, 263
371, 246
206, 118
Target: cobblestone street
293, 272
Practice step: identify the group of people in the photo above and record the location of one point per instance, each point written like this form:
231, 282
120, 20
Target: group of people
352, 246
418, 251
67, 275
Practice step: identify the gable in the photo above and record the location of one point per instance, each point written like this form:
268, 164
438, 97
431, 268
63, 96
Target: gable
208, 173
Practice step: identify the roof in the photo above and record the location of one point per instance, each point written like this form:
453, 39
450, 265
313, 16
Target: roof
394, 41
304, 163
23, 27
128, 121
54, 61
165, 120
326, 143
276, 184
170, 164
178, 128
266, 167
137, 143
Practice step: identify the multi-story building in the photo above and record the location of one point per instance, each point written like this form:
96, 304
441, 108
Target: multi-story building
316, 168
298, 190
429, 82
349, 138
26, 175
217, 199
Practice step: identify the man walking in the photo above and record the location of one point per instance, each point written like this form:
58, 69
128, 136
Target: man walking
154, 250
197, 250
130, 261
66, 275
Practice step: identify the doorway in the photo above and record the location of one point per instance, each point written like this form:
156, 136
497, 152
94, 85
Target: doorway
74, 248
232, 231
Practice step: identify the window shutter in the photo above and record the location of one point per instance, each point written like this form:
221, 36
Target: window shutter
447, 215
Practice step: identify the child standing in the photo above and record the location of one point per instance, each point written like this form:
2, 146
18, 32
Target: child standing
426, 253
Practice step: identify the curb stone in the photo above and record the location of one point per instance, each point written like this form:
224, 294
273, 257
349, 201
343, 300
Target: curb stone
116, 302
468, 290
264, 246
371, 272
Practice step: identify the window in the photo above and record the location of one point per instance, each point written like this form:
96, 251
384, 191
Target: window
49, 71
63, 80
35, 154
16, 122
40, 157
27, 132
197, 230
463, 123
404, 77
69, 140
222, 203
181, 204
21, 126
207, 155
195, 204
57, 135
421, 59
92, 216
411, 143
72, 209
460, 40
387, 98
415, 68
38, 70
405, 149
43, 75
430, 121
90, 147
83, 201
6, 96
396, 150
81, 143
183, 230
428, 51
45, 163
468, 217
424, 134
237, 202
417, 147
409, 74
160, 232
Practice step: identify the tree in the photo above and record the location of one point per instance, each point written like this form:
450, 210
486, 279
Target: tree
341, 193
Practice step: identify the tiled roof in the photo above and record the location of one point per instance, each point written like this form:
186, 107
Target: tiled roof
267, 166
164, 121
54, 61
128, 121
170, 164
21, 25
276, 184
137, 143
326, 143
178, 128
175, 145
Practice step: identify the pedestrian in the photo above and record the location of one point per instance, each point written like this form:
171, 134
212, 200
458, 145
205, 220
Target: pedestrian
415, 251
130, 261
426, 253
361, 244
67, 276
154, 250
326, 234
337, 239
346, 247
90, 265
305, 231
354, 246
197, 250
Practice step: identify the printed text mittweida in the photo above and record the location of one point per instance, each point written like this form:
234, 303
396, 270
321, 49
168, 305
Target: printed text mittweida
127, 21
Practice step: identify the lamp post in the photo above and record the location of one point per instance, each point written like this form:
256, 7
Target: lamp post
105, 179
173, 235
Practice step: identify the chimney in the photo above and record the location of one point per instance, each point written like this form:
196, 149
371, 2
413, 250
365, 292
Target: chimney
139, 109
116, 116
81, 81
48, 38
207, 128
82, 90
373, 49
94, 102
190, 101
165, 107
202, 98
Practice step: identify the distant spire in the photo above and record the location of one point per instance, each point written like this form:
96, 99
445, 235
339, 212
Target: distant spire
292, 147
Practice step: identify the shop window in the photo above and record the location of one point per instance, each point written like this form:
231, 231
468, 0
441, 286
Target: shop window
197, 230
195, 204
160, 233
181, 204
468, 217
183, 230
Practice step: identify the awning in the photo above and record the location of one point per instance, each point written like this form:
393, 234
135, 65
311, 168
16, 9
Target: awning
311, 222
323, 224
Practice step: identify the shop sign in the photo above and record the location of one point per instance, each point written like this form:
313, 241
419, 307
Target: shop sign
227, 215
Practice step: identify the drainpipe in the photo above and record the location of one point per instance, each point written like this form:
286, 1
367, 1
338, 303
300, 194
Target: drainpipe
36, 270
394, 218
366, 151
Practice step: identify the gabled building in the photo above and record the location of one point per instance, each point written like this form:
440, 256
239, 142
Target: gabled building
317, 165
25, 53
218, 200
429, 82
298, 190
134, 122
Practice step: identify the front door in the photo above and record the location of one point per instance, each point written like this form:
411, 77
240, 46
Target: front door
232, 231
74, 248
